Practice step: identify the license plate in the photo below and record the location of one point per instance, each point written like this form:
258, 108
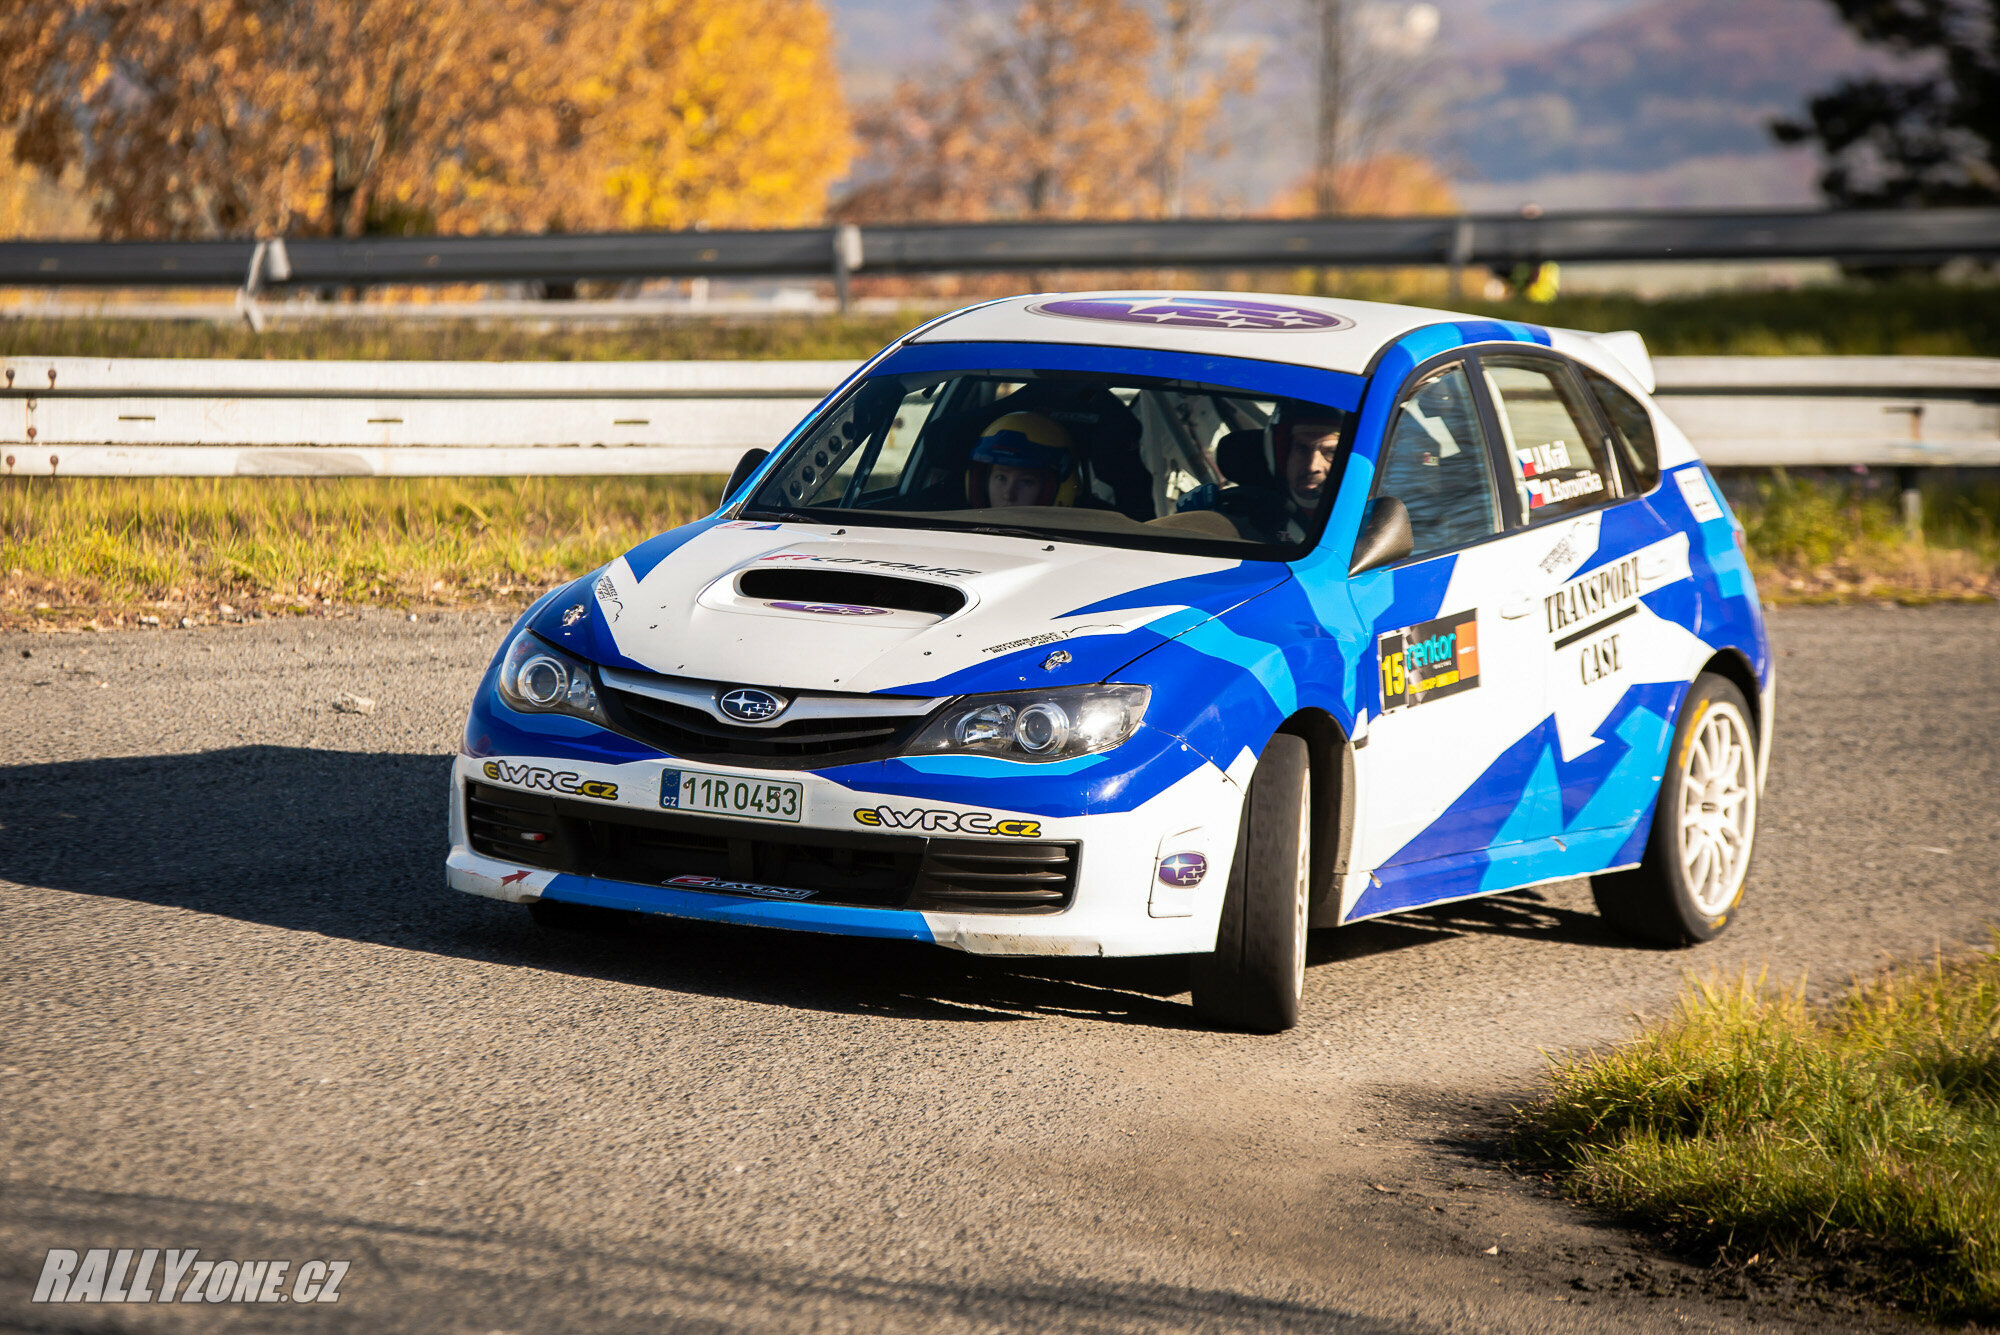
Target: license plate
721, 795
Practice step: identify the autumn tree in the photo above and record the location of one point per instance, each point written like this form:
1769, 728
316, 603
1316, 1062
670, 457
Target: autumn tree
225, 117
1048, 110
1927, 135
726, 113
32, 204
1368, 78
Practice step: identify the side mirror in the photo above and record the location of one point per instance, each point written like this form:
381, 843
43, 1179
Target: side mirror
1385, 535
744, 468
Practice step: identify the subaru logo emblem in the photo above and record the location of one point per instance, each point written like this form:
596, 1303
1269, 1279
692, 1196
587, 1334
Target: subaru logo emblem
747, 704
1183, 869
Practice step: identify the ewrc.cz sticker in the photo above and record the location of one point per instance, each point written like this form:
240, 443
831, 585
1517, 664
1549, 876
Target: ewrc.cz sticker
549, 780
1428, 661
948, 822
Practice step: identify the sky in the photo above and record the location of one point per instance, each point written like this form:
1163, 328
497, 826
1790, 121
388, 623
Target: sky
1561, 103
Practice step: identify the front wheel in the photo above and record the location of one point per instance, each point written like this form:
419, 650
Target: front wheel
1704, 823
1255, 975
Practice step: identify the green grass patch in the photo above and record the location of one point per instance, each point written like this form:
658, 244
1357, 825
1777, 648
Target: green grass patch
113, 548
1887, 319
1838, 537
1899, 319
789, 338
1752, 1123
107, 548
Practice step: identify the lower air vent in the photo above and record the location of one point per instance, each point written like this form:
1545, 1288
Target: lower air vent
850, 587
991, 877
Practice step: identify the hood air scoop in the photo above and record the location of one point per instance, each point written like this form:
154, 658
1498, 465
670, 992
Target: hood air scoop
792, 584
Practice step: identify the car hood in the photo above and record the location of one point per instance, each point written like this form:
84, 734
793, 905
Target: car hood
748, 603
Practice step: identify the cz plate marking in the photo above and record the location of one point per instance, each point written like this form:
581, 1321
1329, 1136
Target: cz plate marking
721, 795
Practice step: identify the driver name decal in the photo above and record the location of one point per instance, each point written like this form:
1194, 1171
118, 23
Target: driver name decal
1429, 661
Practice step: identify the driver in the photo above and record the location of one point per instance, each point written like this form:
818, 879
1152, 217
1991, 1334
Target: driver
1306, 448
1022, 459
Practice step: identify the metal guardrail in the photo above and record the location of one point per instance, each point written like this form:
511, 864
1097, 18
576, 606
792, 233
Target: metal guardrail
86, 417
1896, 236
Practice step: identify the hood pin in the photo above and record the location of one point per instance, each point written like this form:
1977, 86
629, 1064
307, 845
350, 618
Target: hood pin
1055, 660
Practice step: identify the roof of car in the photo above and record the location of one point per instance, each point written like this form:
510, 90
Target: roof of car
1328, 332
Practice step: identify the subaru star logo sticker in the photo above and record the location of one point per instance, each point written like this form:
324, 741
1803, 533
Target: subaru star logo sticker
1196, 313
832, 609
747, 704
1183, 869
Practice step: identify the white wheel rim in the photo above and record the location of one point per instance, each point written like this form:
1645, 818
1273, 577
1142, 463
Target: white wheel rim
1302, 889
1718, 815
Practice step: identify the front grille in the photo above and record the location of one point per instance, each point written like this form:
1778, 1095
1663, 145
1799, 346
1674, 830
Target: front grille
694, 734
866, 870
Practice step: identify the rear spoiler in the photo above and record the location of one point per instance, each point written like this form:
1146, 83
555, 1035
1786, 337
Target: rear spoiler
1630, 349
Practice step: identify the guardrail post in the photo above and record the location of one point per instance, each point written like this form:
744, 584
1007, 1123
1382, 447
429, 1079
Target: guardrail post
267, 260
1461, 255
1907, 476
847, 257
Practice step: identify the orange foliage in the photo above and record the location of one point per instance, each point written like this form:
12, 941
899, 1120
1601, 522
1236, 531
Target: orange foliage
225, 117
1053, 110
1388, 184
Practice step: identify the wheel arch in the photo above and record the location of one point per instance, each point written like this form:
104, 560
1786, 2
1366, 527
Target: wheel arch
1331, 762
1733, 666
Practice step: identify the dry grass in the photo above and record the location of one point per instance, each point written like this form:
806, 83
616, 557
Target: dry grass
1841, 539
1751, 1123
113, 551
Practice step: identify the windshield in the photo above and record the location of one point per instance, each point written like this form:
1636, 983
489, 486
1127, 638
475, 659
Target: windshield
1092, 456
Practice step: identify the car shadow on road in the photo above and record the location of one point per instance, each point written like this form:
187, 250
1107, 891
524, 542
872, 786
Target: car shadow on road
1520, 913
351, 845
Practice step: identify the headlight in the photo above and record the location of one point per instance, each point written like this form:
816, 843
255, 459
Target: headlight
538, 678
1036, 726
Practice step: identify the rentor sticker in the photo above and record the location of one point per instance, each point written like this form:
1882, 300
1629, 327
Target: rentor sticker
1429, 661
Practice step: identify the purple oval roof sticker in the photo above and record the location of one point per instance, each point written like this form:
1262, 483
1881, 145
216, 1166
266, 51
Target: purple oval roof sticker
1217, 313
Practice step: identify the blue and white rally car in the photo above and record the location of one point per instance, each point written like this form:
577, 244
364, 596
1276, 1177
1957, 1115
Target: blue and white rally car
1140, 623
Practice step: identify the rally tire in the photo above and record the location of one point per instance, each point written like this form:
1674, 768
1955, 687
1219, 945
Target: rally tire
1253, 978
1690, 882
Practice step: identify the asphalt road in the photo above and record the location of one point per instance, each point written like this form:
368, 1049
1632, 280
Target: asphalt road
241, 1013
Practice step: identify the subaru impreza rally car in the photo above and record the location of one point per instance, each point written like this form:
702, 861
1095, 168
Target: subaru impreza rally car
1142, 623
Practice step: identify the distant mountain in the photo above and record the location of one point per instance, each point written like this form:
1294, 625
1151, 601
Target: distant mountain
1659, 84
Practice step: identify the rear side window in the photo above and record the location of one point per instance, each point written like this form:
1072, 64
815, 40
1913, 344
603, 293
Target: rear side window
1632, 428
1435, 464
1550, 434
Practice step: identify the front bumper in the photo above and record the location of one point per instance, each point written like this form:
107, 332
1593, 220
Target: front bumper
610, 843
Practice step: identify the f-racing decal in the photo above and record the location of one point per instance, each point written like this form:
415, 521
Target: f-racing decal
907, 567
549, 780
737, 887
948, 822
1429, 661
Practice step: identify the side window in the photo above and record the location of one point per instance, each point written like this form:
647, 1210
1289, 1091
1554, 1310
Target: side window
1632, 428
1434, 462
1549, 434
